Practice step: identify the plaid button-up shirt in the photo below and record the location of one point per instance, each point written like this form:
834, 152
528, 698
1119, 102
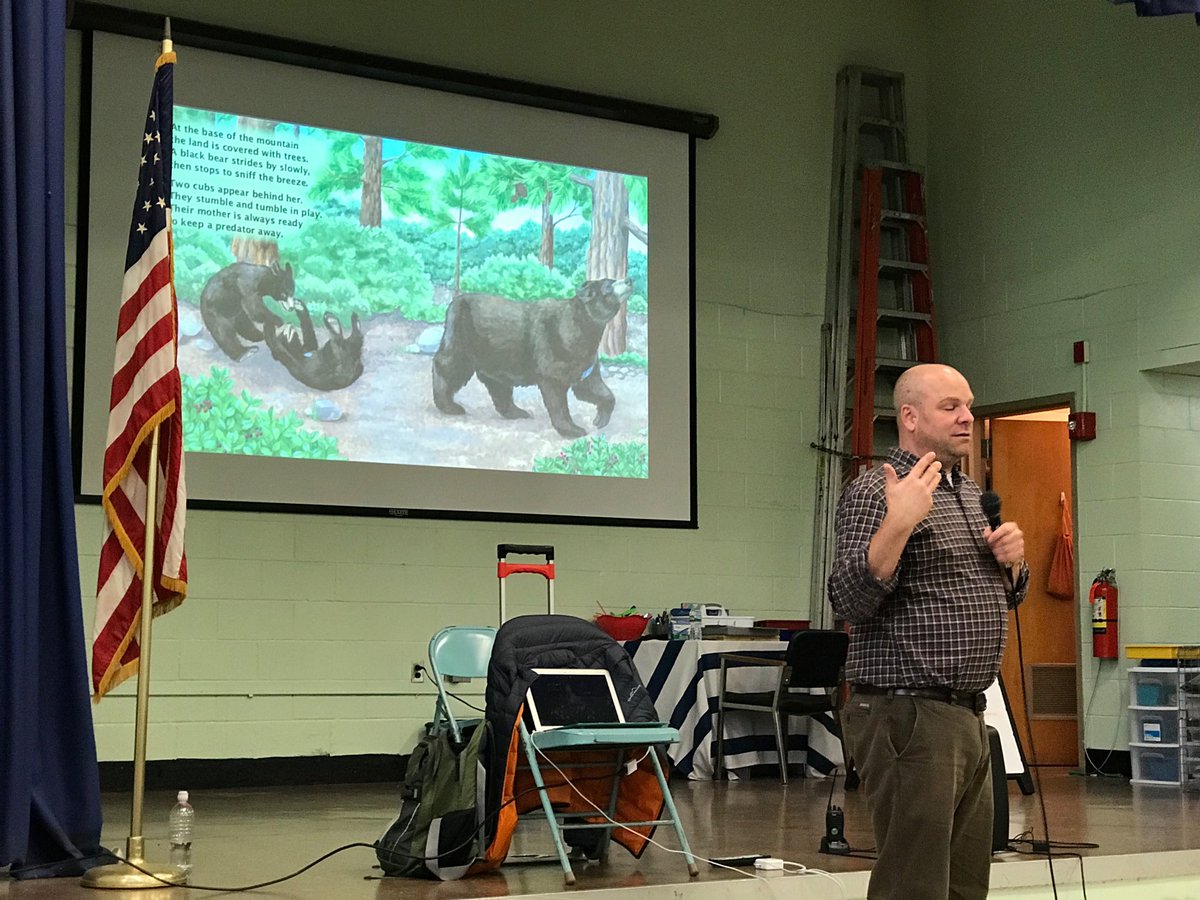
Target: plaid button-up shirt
941, 619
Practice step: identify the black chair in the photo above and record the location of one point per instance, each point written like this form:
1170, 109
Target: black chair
814, 660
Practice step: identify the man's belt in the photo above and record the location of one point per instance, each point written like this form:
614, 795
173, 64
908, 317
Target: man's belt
975, 701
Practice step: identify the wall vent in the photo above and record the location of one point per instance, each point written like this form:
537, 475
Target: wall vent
1052, 691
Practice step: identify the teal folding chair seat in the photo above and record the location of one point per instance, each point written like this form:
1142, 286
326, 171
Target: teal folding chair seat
459, 651
620, 739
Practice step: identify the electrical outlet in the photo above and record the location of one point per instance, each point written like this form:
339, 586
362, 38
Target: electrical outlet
418, 674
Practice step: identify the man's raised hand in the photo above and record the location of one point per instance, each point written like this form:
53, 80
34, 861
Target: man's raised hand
910, 498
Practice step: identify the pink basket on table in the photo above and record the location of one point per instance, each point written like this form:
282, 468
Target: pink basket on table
623, 628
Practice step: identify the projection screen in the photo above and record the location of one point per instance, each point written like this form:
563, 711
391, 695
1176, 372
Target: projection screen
402, 301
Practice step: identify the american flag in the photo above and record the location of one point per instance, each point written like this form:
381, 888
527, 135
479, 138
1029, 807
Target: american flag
145, 394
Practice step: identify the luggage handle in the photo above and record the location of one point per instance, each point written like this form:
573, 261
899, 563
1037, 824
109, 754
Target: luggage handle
546, 570
546, 550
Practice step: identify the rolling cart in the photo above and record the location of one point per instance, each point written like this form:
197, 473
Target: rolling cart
505, 568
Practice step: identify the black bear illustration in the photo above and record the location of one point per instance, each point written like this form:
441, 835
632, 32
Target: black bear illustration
551, 343
335, 364
232, 303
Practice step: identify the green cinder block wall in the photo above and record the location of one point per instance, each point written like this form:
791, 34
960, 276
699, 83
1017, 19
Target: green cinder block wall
1060, 144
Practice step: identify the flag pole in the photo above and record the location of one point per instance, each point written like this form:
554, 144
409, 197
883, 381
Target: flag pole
135, 873
130, 875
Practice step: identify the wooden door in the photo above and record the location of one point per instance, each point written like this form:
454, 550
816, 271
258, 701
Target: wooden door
1031, 468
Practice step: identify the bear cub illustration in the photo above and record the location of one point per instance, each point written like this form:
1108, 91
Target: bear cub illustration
335, 364
551, 343
232, 306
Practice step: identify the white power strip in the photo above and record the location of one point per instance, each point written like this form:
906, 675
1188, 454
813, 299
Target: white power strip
768, 862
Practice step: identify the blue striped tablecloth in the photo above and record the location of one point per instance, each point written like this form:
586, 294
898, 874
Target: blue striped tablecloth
684, 678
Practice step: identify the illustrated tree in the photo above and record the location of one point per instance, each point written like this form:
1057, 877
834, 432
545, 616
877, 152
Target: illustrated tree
463, 204
370, 208
253, 248
551, 188
608, 250
398, 181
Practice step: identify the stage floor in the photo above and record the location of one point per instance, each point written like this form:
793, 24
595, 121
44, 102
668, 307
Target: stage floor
246, 836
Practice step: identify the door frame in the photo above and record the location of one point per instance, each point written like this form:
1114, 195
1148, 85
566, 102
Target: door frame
975, 466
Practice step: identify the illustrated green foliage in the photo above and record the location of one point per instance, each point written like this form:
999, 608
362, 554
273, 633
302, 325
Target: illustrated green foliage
404, 186
626, 359
186, 115
548, 188
570, 251
637, 271
639, 196
597, 456
199, 255
521, 242
342, 170
516, 278
434, 249
342, 267
215, 420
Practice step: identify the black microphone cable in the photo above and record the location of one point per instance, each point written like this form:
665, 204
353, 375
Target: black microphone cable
990, 502
1037, 775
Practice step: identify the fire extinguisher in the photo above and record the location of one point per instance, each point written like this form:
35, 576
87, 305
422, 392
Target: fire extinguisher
1103, 597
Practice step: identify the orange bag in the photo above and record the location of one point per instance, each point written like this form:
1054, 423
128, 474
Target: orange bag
1061, 582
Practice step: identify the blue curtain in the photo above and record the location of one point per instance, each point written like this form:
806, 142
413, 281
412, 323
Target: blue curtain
49, 783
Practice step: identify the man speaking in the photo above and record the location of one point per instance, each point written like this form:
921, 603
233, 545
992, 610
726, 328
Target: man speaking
926, 584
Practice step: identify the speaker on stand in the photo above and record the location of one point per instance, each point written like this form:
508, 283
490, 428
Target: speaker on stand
999, 793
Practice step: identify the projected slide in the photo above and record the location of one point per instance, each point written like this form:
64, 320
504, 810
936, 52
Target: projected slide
402, 301
371, 299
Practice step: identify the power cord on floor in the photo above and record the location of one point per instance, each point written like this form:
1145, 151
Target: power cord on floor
799, 868
117, 857
248, 887
1099, 766
1047, 854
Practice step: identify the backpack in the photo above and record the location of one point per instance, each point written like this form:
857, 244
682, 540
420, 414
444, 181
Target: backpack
439, 831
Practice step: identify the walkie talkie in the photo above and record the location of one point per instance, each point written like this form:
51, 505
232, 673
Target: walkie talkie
834, 839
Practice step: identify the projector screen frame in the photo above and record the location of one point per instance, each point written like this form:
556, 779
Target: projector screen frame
206, 36
90, 17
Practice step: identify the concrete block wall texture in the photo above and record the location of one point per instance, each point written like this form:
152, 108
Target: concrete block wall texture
1062, 176
300, 631
1060, 148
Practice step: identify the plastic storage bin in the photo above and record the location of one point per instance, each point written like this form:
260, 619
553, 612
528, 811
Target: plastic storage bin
1153, 726
1191, 775
1155, 764
1154, 688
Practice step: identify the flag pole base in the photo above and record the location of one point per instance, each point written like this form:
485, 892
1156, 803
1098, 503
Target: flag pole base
124, 876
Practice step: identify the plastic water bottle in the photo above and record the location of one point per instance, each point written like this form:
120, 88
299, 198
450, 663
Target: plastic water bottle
695, 621
180, 825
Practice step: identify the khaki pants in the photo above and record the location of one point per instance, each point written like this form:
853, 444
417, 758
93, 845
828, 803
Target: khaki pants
926, 768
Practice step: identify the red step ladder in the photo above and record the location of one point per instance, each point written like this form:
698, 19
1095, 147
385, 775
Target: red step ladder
894, 315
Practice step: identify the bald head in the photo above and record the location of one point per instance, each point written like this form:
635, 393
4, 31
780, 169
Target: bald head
914, 383
933, 411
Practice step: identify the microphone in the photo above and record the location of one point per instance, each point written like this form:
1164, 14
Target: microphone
990, 501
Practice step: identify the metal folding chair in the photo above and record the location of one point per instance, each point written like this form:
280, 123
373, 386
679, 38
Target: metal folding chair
596, 784
460, 651
814, 659
622, 744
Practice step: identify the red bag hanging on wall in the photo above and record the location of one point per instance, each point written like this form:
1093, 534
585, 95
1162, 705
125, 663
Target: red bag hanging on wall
1061, 582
